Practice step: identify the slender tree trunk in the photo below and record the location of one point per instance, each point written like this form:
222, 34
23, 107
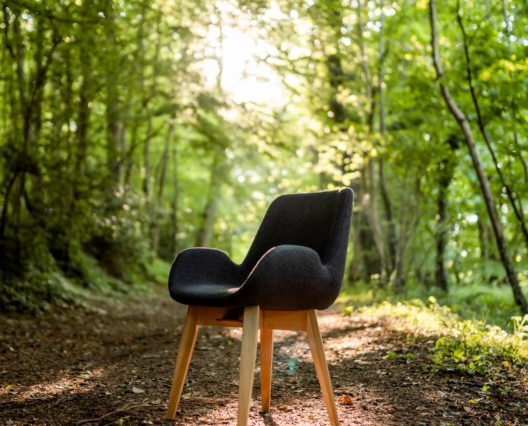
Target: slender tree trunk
5, 204
205, 231
85, 94
355, 270
512, 197
392, 242
146, 157
398, 279
83, 120
484, 237
369, 200
487, 253
364, 61
112, 97
482, 178
161, 182
175, 197
513, 108
11, 173
165, 157
446, 172
374, 220
441, 278
369, 253
20, 183
385, 197
368, 260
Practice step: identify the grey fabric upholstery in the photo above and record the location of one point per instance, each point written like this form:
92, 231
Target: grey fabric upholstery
296, 261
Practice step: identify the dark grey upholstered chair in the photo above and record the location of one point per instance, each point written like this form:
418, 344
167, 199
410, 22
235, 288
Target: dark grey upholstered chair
294, 266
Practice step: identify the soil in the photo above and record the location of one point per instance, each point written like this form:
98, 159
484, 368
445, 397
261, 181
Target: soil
114, 366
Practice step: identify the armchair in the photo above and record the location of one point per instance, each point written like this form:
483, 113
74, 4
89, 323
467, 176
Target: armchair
294, 266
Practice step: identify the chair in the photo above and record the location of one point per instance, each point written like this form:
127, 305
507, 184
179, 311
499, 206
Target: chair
294, 266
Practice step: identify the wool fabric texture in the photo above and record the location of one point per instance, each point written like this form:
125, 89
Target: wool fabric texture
295, 262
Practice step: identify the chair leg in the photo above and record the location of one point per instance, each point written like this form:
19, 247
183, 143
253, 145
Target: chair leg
188, 339
321, 368
266, 366
248, 357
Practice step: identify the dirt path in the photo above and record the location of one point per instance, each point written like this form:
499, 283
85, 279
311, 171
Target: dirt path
116, 368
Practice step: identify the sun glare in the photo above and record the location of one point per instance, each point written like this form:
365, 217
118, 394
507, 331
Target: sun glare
239, 49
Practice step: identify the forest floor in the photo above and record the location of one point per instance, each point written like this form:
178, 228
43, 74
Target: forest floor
113, 365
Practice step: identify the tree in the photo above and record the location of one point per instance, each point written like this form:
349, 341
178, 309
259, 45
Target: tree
461, 119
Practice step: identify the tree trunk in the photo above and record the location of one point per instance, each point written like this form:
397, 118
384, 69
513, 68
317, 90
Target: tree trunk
158, 201
374, 221
368, 199
112, 97
441, 229
487, 253
482, 178
369, 250
513, 108
446, 170
175, 198
512, 197
392, 241
20, 173
385, 197
355, 271
205, 231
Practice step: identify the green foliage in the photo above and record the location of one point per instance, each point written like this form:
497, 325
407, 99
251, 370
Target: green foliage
127, 133
404, 356
490, 304
38, 291
468, 346
117, 237
473, 347
87, 271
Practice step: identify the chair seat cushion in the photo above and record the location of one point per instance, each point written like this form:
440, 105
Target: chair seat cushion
206, 277
287, 277
207, 294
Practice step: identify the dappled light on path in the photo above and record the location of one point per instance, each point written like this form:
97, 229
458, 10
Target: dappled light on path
83, 382
119, 366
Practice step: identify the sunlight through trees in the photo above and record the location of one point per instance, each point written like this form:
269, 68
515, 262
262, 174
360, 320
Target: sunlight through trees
130, 130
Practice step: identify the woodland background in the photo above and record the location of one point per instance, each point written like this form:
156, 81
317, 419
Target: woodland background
131, 130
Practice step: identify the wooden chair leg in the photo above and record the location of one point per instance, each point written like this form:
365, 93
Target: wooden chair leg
188, 339
321, 368
266, 366
248, 357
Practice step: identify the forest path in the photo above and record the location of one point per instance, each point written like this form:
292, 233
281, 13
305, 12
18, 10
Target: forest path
115, 367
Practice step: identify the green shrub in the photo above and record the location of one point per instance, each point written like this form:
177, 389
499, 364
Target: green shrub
469, 346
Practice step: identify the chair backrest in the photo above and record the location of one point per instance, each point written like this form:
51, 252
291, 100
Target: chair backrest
319, 220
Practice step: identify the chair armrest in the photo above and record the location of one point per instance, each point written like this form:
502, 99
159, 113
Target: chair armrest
290, 277
200, 264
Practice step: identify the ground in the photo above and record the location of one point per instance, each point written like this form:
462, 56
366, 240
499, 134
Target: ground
114, 366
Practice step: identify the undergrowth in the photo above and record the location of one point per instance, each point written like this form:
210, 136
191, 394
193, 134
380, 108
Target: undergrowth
492, 304
470, 346
39, 289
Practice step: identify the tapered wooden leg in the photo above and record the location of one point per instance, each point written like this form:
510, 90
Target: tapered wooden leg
248, 355
321, 368
266, 366
188, 339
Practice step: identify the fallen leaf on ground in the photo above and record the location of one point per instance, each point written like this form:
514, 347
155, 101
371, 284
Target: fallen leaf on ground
345, 400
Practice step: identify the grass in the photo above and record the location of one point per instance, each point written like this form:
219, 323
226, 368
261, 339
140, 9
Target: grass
492, 305
477, 331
